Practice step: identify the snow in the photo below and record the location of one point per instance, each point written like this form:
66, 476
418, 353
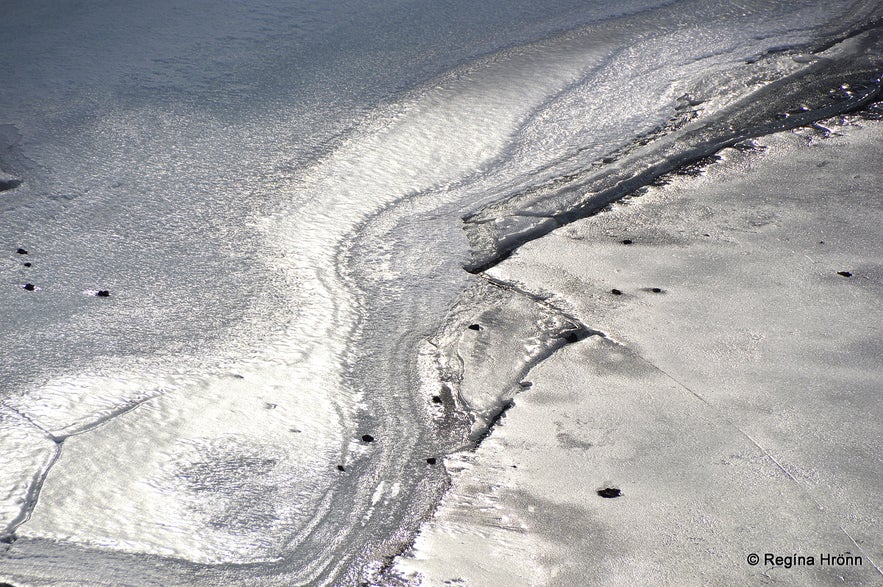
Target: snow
736, 410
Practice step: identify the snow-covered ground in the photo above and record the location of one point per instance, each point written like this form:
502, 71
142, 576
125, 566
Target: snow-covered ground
737, 409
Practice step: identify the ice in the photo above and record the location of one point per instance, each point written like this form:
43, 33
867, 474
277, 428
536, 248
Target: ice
26, 453
491, 340
217, 472
272, 194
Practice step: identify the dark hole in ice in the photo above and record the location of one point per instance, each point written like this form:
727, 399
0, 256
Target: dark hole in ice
616, 292
609, 492
627, 241
436, 399
474, 327
656, 289
430, 461
367, 438
571, 337
843, 273
21, 251
29, 286
103, 293
341, 468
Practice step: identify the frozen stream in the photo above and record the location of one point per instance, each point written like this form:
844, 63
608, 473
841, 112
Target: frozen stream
274, 198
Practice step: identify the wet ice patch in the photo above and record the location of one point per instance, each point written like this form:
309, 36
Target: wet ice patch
26, 452
496, 334
203, 472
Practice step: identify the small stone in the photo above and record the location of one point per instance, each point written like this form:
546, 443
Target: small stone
341, 468
571, 337
430, 461
26, 264
103, 293
616, 292
844, 273
29, 286
656, 289
367, 438
627, 241
474, 327
21, 251
609, 492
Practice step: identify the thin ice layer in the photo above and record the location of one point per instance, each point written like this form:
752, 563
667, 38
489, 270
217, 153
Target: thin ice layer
720, 106
26, 453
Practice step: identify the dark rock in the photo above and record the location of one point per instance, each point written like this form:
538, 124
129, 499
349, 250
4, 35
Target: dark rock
430, 461
367, 438
436, 399
8, 183
103, 293
821, 242
609, 492
341, 468
656, 289
21, 251
26, 264
29, 286
474, 327
627, 241
616, 292
6, 585
844, 273
571, 337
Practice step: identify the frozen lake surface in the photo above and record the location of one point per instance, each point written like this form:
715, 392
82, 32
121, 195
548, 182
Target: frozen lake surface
279, 201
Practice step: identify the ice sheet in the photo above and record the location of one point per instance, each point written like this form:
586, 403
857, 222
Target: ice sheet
273, 196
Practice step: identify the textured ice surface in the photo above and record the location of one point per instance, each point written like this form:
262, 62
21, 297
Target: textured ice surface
735, 409
491, 340
272, 194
